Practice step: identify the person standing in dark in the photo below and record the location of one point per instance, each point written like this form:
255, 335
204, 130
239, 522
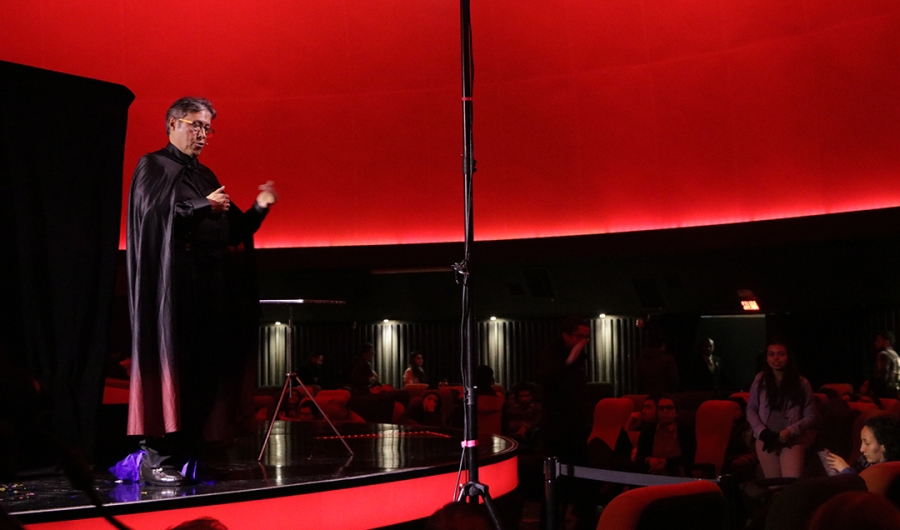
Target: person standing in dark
885, 381
656, 371
566, 418
362, 375
192, 291
705, 369
566, 429
312, 372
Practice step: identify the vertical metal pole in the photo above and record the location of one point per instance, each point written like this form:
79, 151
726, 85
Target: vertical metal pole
471, 399
551, 477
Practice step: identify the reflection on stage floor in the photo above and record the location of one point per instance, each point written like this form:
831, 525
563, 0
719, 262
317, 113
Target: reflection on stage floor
303, 460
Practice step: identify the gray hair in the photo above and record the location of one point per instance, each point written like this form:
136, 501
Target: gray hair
187, 105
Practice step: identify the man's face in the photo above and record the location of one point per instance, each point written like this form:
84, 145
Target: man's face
317, 360
524, 398
183, 136
881, 343
708, 347
648, 411
582, 333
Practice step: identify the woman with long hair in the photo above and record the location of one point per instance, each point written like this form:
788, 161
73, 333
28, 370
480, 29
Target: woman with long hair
780, 411
414, 374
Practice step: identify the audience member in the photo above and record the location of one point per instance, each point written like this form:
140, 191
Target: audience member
880, 442
290, 405
484, 381
523, 416
414, 374
362, 376
656, 370
856, 509
780, 411
307, 411
427, 411
313, 371
646, 416
886, 380
704, 371
668, 445
566, 412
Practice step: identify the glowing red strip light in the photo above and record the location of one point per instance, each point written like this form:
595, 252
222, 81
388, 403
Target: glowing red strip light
393, 435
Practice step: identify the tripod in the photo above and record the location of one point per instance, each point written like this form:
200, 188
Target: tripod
290, 377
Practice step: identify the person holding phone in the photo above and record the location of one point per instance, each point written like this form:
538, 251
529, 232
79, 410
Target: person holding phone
879, 442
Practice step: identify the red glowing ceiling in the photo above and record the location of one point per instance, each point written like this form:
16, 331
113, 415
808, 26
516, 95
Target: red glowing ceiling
590, 116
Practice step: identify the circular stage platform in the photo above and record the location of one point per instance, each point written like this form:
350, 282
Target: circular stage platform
307, 479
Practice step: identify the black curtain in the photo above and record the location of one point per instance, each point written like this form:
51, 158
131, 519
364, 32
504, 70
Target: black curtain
62, 143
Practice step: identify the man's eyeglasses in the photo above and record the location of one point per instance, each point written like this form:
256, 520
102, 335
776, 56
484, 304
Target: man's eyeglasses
197, 126
666, 408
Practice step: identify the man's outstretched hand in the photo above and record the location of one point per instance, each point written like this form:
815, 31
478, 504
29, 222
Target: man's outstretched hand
267, 195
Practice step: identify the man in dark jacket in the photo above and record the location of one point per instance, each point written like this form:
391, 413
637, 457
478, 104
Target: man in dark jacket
192, 294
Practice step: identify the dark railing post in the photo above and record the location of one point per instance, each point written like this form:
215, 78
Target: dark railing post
551, 495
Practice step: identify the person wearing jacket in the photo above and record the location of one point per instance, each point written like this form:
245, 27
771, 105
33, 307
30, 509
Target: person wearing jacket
781, 410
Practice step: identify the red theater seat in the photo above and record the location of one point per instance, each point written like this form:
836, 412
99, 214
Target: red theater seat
697, 505
883, 480
714, 421
842, 389
610, 415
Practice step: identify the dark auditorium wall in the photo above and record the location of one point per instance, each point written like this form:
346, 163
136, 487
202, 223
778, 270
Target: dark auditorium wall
590, 117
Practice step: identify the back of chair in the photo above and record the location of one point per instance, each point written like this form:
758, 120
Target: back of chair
892, 405
416, 389
715, 419
610, 416
862, 406
637, 399
795, 504
490, 413
330, 394
697, 505
882, 479
842, 389
742, 395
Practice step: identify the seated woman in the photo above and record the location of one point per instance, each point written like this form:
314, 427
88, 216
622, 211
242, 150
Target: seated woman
414, 374
428, 412
880, 443
668, 445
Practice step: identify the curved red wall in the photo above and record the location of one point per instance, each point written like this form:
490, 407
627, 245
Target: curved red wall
590, 116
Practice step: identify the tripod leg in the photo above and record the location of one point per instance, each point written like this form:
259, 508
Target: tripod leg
472, 491
333, 428
284, 389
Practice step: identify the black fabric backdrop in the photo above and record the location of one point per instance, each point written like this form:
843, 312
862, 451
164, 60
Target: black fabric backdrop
62, 141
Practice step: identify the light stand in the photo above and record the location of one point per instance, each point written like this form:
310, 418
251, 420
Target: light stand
291, 376
472, 489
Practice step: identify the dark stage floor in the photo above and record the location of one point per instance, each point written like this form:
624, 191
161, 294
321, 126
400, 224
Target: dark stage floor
405, 474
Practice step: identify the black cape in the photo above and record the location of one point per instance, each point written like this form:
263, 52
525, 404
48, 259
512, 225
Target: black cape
153, 407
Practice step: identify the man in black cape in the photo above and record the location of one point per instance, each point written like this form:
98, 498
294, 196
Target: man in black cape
192, 293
